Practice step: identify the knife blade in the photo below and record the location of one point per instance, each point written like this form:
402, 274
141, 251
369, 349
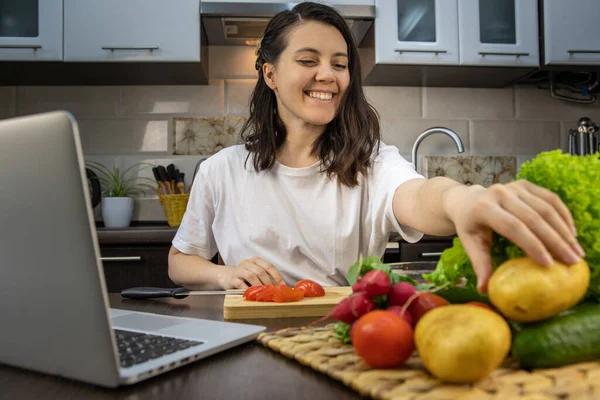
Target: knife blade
176, 293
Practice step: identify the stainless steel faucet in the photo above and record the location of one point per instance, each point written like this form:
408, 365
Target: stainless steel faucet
431, 131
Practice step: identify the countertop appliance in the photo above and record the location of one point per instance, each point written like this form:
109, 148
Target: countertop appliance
584, 139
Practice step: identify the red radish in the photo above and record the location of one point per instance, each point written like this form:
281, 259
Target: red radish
405, 315
360, 304
377, 283
425, 302
399, 293
349, 309
342, 312
359, 286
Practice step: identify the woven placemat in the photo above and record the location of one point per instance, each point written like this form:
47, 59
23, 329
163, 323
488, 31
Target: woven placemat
317, 348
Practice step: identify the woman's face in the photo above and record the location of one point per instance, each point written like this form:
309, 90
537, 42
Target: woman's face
311, 75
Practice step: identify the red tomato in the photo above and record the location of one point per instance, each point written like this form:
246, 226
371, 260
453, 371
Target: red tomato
252, 291
268, 293
311, 288
288, 294
480, 304
425, 302
382, 339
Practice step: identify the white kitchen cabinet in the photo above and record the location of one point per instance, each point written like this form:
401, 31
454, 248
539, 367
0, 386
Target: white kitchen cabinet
571, 32
131, 30
498, 32
418, 32
31, 30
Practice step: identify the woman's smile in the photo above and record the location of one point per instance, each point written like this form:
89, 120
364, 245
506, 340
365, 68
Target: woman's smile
320, 96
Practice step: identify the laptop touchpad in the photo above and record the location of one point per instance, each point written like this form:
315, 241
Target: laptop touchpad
144, 322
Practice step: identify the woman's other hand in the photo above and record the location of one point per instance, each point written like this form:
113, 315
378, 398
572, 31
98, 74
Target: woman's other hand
533, 218
250, 272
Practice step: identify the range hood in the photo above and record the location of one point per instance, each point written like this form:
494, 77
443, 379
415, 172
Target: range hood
239, 24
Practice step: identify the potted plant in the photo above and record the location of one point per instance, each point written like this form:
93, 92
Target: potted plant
118, 189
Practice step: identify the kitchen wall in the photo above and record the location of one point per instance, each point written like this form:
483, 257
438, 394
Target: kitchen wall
128, 124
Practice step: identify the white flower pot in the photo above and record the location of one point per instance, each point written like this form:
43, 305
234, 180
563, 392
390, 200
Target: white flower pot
117, 211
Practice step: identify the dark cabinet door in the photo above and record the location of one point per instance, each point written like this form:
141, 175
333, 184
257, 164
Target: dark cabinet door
131, 266
426, 251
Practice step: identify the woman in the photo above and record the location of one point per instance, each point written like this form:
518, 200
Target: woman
312, 187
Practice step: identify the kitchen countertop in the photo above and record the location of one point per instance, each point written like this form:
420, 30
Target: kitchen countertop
158, 232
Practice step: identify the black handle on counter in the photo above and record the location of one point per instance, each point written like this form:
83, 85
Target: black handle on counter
154, 293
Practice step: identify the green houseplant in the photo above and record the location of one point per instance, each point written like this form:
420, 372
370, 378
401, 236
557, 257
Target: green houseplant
118, 189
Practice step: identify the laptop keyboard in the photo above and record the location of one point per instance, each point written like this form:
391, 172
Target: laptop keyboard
135, 348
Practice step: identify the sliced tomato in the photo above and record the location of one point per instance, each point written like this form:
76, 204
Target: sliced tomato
253, 291
288, 294
268, 293
310, 288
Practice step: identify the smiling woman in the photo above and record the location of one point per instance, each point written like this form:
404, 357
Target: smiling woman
312, 187
309, 144
309, 80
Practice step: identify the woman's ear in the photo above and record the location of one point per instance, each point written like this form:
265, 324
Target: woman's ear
269, 75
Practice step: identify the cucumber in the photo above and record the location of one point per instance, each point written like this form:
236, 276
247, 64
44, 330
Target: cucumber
567, 338
515, 327
459, 295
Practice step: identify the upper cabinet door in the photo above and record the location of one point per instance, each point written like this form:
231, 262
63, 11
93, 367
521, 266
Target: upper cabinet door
31, 30
572, 32
132, 30
498, 32
422, 32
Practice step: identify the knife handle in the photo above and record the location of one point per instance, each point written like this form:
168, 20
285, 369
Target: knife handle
154, 293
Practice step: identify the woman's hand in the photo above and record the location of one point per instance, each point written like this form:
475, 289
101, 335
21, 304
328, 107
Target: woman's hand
250, 272
533, 218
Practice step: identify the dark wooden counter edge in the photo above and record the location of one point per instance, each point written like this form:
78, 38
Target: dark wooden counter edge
137, 233
157, 233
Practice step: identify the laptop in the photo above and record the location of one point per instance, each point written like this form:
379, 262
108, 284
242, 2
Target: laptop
53, 301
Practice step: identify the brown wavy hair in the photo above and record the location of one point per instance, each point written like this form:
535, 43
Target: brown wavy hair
347, 144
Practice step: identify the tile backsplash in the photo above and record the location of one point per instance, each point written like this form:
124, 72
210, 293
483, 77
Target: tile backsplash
205, 135
124, 125
472, 170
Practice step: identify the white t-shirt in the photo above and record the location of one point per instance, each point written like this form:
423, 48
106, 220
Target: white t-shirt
305, 224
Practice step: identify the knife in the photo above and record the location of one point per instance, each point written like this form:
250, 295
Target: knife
176, 293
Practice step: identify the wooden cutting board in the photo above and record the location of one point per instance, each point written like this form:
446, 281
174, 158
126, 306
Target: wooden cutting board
235, 307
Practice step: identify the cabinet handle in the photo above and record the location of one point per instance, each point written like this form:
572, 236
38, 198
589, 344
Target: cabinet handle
33, 47
134, 258
494, 53
432, 254
113, 48
583, 51
436, 52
